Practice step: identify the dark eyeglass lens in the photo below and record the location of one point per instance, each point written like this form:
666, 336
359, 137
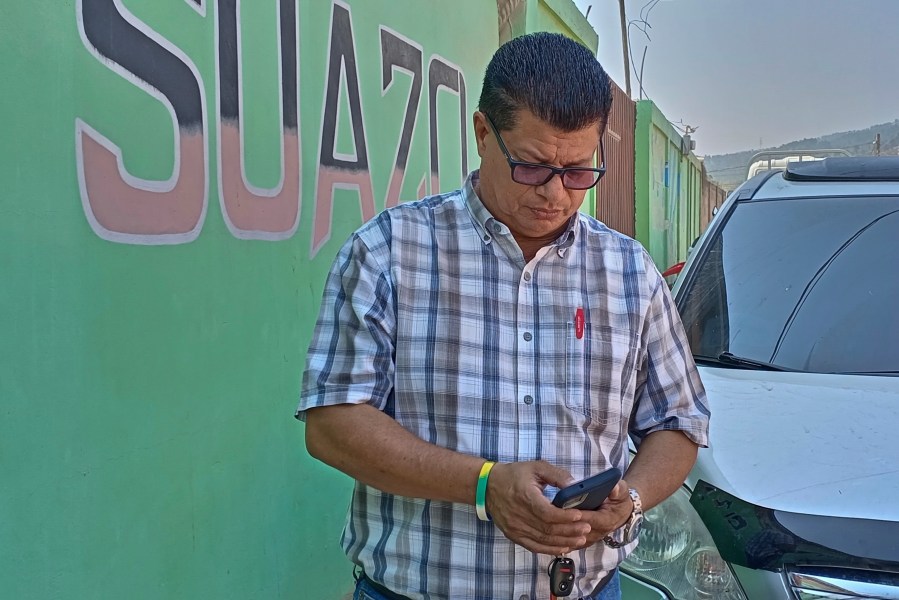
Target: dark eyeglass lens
529, 175
580, 178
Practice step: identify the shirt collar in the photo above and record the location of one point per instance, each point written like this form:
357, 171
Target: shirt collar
480, 216
487, 225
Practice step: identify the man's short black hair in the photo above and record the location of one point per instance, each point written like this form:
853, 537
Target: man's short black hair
554, 77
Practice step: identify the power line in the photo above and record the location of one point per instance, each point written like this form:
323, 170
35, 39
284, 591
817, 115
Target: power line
741, 167
642, 23
645, 17
644, 26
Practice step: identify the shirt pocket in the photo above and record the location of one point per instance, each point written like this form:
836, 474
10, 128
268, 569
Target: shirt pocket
599, 372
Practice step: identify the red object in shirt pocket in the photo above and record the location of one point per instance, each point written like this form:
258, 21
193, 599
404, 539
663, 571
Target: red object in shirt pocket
579, 323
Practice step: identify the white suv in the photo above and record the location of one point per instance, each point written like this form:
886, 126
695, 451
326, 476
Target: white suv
790, 301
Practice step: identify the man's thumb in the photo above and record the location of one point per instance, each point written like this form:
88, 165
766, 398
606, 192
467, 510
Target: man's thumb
553, 475
619, 492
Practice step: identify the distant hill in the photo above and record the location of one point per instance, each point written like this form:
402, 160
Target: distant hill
729, 170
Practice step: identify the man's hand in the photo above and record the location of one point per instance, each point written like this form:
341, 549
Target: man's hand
614, 512
517, 505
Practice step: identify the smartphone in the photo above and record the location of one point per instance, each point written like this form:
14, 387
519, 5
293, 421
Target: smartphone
589, 493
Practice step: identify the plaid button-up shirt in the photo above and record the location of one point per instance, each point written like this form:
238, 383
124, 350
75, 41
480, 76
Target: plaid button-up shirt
432, 315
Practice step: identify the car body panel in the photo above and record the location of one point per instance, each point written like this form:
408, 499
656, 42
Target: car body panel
634, 589
804, 442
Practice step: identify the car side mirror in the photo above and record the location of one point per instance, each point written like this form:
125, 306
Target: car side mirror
673, 271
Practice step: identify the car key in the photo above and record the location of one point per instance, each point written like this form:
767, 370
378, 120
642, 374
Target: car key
561, 576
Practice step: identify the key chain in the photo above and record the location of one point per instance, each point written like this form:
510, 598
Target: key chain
561, 577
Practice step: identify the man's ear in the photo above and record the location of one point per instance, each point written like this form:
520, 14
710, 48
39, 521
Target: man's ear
481, 131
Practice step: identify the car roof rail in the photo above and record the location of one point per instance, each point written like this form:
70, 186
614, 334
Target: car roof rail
854, 168
778, 159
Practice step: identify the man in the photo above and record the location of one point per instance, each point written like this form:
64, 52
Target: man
497, 324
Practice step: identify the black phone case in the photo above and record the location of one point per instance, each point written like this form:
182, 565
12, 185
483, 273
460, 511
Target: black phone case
595, 489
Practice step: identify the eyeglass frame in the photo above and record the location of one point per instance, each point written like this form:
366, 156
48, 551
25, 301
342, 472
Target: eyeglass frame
560, 171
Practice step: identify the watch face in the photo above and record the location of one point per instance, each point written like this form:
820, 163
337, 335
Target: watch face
633, 528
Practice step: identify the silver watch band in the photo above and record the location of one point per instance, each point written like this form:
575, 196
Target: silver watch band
630, 532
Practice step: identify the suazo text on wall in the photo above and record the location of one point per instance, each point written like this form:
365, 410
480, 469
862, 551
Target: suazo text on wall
177, 179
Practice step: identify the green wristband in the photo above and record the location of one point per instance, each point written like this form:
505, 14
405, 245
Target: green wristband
480, 501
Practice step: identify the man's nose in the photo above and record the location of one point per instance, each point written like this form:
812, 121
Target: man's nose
553, 189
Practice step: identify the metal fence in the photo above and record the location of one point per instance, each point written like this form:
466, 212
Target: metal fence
615, 192
713, 197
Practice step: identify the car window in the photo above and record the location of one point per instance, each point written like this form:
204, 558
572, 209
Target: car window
808, 284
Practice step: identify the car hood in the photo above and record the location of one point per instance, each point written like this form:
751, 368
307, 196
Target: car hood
804, 443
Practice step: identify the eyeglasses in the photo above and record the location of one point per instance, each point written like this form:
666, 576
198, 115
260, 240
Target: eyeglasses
574, 178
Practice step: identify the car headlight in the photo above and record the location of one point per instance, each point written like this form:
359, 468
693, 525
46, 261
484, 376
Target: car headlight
677, 553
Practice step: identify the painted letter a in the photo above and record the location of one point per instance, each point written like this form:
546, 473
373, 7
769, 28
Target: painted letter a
336, 170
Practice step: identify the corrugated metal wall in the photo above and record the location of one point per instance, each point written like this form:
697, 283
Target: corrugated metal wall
713, 197
615, 192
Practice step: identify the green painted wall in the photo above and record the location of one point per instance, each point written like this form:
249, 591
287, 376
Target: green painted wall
667, 188
562, 16
152, 342
165, 237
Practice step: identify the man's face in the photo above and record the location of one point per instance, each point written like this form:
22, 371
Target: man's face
533, 213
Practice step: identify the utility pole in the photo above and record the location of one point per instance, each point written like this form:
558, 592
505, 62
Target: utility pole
877, 145
624, 49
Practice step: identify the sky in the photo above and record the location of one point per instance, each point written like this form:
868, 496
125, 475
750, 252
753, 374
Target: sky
753, 74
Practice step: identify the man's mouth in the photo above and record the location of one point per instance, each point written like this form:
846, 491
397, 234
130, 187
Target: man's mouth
543, 213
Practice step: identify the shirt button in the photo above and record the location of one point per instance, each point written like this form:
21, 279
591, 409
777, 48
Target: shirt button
497, 227
486, 238
527, 275
528, 399
527, 336
524, 597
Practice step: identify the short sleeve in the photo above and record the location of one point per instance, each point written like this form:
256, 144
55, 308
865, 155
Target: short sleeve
350, 359
669, 394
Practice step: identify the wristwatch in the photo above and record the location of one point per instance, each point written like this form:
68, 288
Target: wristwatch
631, 528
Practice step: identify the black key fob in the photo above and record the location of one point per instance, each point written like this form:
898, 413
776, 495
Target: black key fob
561, 576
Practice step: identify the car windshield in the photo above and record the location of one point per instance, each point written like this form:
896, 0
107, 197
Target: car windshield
805, 284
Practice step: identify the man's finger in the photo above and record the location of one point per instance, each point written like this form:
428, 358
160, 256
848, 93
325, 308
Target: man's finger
549, 514
565, 530
570, 535
551, 546
539, 548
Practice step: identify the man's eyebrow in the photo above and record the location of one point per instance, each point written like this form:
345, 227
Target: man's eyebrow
519, 154
585, 162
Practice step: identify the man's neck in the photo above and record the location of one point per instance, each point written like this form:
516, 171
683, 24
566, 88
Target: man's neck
531, 247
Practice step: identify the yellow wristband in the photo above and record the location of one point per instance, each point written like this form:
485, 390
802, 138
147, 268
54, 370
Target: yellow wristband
480, 500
